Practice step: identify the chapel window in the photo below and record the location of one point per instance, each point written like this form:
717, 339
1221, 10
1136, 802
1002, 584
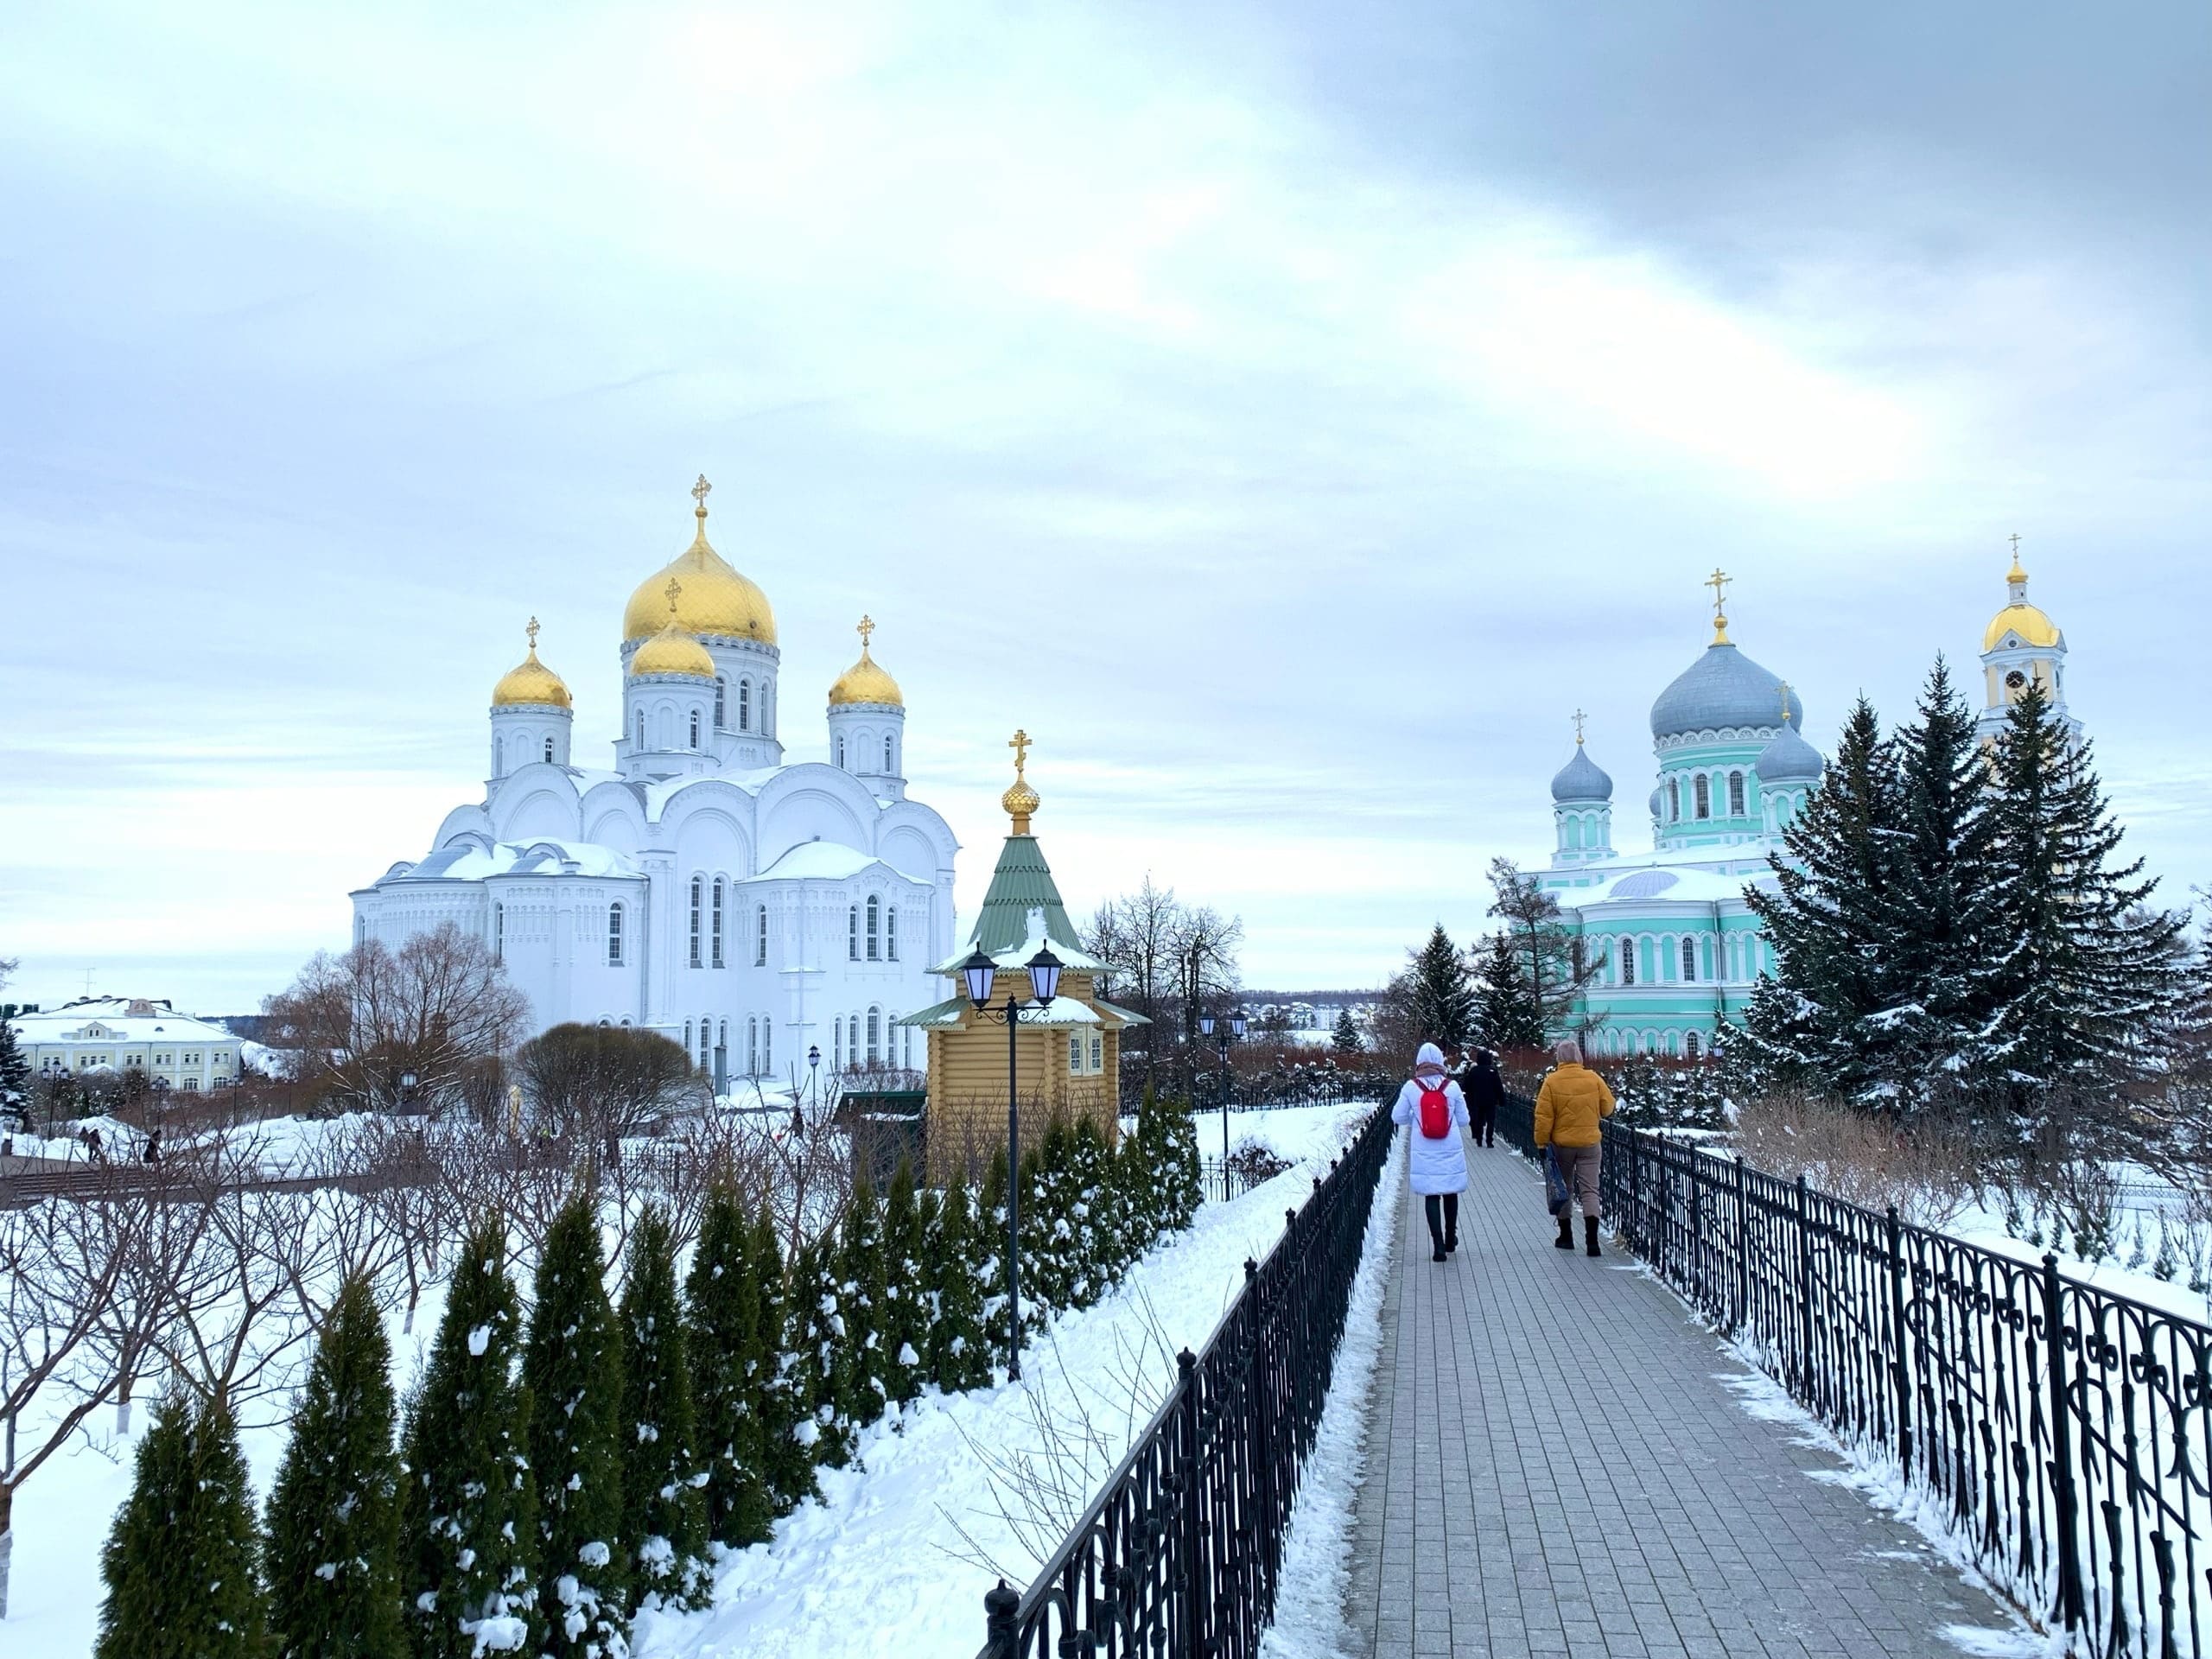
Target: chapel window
874, 922
1690, 1044
695, 728
641, 728
1735, 794
1674, 800
841, 751
1689, 960
614, 936
887, 766
874, 1035
891, 933
1628, 961
752, 1048
498, 932
745, 705
853, 934
718, 923
1702, 787
722, 697
760, 936
698, 892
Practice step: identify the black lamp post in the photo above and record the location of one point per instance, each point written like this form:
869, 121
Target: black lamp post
1044, 979
1231, 1031
813, 1086
406, 1089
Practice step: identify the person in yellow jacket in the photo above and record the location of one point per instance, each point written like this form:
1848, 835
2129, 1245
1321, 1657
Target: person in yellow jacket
1572, 1104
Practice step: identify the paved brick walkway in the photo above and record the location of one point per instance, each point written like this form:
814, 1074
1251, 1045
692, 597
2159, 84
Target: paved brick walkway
1555, 1467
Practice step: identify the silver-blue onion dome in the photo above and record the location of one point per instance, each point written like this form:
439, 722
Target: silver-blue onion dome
1581, 780
1789, 759
1720, 690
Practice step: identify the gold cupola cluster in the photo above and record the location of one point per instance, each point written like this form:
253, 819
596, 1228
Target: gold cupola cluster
866, 681
674, 650
2019, 618
531, 683
717, 601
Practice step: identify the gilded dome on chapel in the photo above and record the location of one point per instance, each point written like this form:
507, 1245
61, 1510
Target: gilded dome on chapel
866, 680
2019, 618
717, 598
531, 681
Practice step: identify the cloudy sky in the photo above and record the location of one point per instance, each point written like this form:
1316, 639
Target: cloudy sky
1288, 413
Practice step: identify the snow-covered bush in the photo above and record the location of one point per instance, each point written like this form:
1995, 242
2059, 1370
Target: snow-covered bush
663, 1512
731, 1354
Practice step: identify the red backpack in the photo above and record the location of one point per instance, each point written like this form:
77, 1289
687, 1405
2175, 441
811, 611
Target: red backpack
1435, 1113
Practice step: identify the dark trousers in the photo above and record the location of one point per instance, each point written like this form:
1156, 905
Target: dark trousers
1483, 1123
1443, 1216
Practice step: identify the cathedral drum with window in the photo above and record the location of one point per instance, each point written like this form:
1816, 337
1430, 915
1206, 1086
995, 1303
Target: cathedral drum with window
1675, 951
749, 907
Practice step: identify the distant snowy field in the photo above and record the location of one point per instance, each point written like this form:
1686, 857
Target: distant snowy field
873, 1566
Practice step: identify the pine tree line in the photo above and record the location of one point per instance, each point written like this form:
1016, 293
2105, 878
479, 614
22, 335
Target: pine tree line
1953, 920
556, 1475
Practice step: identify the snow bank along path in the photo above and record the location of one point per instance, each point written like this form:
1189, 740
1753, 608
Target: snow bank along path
875, 1565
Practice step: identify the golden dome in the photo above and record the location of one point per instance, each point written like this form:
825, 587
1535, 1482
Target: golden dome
865, 681
673, 651
531, 680
2019, 617
1020, 800
717, 598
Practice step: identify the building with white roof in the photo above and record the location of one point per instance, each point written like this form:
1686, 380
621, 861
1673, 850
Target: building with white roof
749, 907
1677, 949
95, 1035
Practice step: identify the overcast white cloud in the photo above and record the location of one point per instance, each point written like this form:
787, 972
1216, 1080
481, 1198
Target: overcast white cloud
1289, 416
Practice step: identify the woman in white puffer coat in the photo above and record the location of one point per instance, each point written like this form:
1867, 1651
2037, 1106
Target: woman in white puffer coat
1436, 1162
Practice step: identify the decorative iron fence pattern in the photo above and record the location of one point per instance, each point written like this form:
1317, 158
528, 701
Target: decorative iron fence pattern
2064, 1429
1261, 1093
1180, 1553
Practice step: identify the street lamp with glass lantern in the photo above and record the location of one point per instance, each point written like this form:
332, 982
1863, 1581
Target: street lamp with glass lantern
978, 972
406, 1090
1231, 1030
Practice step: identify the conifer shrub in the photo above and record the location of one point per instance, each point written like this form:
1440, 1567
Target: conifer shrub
1086, 1206
903, 1319
665, 1517
333, 1532
730, 1354
182, 1565
1044, 1278
959, 1354
786, 1456
573, 1366
468, 1509
858, 1388
817, 1339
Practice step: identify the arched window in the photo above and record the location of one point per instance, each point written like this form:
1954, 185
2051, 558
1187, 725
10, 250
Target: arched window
717, 940
841, 751
1628, 961
875, 927
499, 757
1690, 1044
549, 751
706, 1044
687, 1036
695, 728
760, 936
641, 728
614, 936
360, 931
767, 1044
1674, 800
853, 934
874, 1035
887, 766
1689, 960
745, 705
1703, 788
698, 889
722, 697
752, 1048
837, 1044
891, 933
1735, 794
498, 932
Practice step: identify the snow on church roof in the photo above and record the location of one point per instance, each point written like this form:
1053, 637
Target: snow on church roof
825, 861
470, 862
1649, 884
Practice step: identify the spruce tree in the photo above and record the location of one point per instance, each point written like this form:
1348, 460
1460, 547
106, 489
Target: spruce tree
665, 1512
1182, 1184
729, 1358
15, 1081
1828, 920
786, 1455
573, 1366
959, 1356
820, 1367
1443, 1001
904, 1320
858, 1267
2092, 972
1506, 1015
468, 1509
1940, 919
1344, 1042
182, 1566
333, 1554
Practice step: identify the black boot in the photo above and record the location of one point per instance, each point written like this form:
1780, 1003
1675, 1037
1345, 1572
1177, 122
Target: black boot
1437, 1254
1590, 1236
1566, 1239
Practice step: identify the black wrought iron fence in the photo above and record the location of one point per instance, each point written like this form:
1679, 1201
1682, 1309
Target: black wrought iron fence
1262, 1092
1181, 1551
2066, 1431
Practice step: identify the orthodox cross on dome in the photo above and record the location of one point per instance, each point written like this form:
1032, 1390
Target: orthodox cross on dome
2016, 547
699, 494
1718, 582
675, 591
1578, 718
1019, 745
532, 632
865, 630
1785, 703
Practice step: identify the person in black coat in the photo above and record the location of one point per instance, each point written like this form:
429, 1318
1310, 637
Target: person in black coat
1484, 1088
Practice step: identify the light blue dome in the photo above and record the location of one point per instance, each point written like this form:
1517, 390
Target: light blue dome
1722, 689
1581, 779
1789, 759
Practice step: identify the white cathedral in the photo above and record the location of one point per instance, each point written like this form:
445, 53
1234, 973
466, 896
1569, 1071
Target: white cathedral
748, 908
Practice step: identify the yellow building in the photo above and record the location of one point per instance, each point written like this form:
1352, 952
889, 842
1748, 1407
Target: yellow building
1066, 1054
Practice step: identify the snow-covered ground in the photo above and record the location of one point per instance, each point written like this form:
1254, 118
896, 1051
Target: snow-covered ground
873, 1566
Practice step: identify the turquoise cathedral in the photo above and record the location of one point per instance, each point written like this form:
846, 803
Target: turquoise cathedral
1676, 948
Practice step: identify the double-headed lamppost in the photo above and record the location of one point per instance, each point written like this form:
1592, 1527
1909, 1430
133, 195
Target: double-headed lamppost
1230, 1032
1044, 979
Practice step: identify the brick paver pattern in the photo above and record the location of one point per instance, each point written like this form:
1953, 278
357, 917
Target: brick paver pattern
1554, 1466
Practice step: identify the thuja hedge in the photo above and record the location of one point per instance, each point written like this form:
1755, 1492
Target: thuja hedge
555, 1474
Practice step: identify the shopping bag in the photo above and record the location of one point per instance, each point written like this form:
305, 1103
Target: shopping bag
1554, 1184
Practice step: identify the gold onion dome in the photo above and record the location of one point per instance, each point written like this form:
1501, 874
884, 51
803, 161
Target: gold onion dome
531, 681
717, 601
673, 651
2019, 617
1020, 800
865, 681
